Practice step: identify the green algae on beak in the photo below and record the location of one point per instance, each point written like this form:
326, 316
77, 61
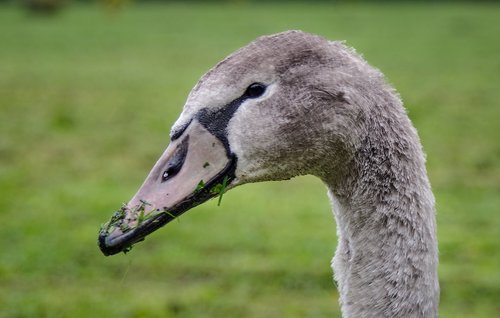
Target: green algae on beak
127, 219
172, 187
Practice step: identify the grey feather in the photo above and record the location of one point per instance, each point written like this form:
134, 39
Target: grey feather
328, 113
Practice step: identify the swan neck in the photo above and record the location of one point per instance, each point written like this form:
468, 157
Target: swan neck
386, 259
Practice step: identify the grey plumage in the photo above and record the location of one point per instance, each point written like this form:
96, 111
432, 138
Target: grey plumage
326, 112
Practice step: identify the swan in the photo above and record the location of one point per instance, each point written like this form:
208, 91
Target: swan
292, 104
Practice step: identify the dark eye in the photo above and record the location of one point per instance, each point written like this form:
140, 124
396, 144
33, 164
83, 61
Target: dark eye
255, 90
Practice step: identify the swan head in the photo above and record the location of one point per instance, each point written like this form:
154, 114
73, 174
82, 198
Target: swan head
284, 105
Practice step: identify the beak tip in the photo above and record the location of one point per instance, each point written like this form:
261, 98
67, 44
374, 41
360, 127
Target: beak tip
101, 241
109, 244
116, 241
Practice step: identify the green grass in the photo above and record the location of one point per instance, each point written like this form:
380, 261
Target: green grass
86, 102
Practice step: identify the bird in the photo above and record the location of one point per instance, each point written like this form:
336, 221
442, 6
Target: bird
295, 103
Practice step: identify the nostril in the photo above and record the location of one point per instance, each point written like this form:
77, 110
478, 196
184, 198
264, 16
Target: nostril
170, 172
165, 175
176, 162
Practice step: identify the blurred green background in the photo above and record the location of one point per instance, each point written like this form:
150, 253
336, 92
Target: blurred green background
87, 97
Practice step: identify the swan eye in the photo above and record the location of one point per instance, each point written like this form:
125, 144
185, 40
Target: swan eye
255, 90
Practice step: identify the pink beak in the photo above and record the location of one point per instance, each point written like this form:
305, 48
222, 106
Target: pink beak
195, 167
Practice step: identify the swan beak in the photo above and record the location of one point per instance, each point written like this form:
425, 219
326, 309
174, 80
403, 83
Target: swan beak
194, 168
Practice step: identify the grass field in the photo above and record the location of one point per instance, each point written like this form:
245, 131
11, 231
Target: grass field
86, 102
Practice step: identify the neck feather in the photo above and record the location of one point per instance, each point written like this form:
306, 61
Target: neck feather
386, 258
